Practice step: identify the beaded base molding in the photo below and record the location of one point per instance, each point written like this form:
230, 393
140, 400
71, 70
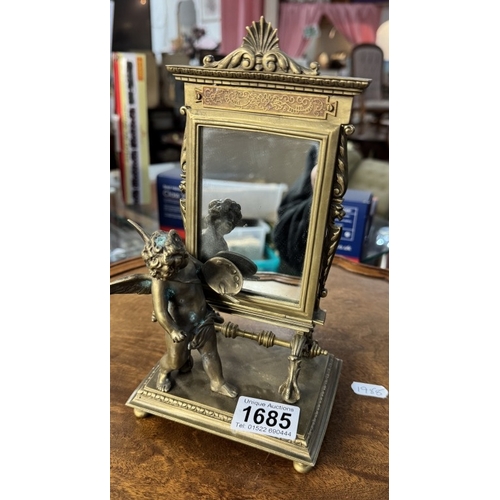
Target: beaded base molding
191, 402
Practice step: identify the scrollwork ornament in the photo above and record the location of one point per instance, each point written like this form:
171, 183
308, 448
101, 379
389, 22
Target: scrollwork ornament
183, 162
341, 174
333, 232
260, 52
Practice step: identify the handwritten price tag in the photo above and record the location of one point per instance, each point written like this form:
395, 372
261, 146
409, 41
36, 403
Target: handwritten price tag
375, 391
260, 416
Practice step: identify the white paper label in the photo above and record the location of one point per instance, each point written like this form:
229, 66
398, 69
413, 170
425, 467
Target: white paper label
260, 416
375, 391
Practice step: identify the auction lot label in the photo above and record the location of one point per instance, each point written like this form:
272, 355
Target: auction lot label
260, 416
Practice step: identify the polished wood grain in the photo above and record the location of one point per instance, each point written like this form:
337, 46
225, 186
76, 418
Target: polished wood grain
155, 458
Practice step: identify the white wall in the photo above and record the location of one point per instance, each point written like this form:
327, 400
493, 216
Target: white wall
164, 25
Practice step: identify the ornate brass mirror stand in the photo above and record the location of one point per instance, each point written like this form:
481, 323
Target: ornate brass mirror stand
254, 120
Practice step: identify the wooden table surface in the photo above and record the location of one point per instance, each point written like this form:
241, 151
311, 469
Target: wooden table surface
156, 458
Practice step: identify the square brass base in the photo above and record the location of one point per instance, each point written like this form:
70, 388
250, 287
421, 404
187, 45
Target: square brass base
257, 372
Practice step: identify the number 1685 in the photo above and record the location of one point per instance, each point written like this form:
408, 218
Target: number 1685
270, 419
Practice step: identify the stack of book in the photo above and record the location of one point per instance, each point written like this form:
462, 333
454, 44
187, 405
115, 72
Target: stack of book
132, 141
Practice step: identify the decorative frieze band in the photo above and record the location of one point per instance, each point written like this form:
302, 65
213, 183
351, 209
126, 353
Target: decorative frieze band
303, 105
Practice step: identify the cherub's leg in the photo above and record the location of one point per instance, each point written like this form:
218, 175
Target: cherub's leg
213, 368
188, 365
176, 357
163, 382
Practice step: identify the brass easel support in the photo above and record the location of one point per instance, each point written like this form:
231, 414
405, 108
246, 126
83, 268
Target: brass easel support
289, 389
301, 346
267, 339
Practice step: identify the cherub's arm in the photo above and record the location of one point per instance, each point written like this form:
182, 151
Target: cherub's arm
161, 311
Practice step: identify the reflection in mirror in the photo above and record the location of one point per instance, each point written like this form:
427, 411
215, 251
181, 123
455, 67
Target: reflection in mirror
221, 219
260, 171
293, 218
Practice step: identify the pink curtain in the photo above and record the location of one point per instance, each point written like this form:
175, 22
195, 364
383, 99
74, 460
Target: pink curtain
357, 22
236, 15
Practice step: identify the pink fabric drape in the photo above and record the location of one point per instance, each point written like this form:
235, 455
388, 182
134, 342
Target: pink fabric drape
357, 22
236, 15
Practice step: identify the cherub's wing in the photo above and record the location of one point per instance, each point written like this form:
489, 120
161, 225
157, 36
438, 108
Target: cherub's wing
134, 283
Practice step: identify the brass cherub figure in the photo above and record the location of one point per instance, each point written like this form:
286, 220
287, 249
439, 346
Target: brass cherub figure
175, 282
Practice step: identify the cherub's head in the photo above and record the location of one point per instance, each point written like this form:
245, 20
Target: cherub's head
223, 212
164, 252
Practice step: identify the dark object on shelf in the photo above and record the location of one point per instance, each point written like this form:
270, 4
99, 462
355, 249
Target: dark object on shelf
336, 64
165, 136
131, 26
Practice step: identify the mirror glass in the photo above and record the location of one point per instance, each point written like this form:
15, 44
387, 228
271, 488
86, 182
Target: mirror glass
269, 176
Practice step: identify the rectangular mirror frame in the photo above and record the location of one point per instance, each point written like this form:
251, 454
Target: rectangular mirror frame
240, 92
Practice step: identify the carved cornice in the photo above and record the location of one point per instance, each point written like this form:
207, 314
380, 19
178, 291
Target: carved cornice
259, 62
278, 81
